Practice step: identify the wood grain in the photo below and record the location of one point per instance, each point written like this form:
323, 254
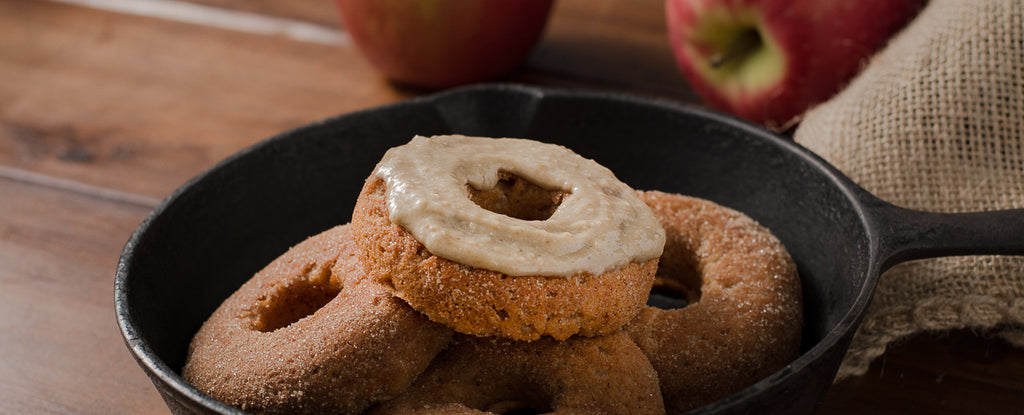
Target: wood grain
959, 372
142, 104
320, 12
62, 351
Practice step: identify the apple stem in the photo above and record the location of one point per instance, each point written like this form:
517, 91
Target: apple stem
742, 46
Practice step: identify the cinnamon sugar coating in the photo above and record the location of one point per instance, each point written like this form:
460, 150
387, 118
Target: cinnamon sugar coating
596, 375
310, 334
744, 317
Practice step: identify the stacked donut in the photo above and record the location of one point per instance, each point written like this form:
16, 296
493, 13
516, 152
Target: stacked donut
505, 275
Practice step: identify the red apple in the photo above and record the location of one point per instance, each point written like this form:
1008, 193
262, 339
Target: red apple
768, 61
436, 44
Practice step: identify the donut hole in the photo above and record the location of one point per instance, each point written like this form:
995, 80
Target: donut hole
677, 281
666, 297
518, 407
517, 197
522, 394
291, 303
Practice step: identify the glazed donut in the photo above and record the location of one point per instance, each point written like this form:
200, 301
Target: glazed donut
507, 237
310, 334
744, 316
597, 375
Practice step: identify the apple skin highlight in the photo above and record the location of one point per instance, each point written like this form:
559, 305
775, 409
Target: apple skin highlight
805, 51
436, 44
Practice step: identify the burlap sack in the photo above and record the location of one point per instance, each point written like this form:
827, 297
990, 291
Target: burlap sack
935, 122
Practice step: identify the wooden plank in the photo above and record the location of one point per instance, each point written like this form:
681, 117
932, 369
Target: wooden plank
979, 357
141, 104
62, 351
951, 373
321, 12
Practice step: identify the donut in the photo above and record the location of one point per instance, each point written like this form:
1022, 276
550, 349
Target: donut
310, 334
598, 375
744, 314
507, 237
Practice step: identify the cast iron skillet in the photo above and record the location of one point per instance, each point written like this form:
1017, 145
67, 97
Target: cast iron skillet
212, 234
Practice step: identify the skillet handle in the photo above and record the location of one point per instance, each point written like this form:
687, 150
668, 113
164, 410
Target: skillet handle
906, 234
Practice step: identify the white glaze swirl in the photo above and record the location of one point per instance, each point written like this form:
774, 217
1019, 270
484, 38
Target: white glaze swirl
601, 225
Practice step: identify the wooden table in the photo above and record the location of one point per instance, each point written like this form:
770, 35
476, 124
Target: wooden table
106, 106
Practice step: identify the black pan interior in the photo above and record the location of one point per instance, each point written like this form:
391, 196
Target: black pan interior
212, 234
